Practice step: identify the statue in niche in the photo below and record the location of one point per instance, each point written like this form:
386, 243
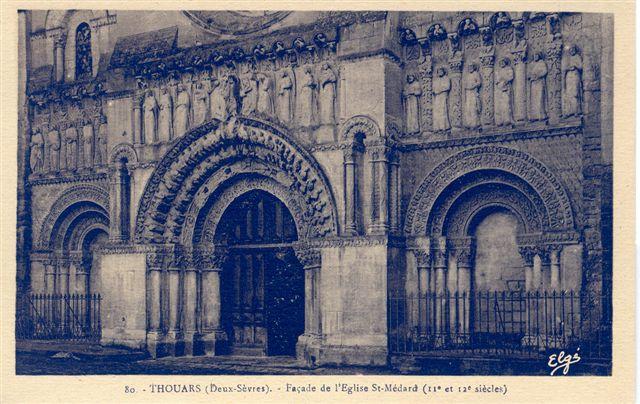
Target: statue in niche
183, 107
441, 87
231, 92
165, 116
71, 147
308, 99
101, 142
471, 83
285, 97
572, 72
87, 145
36, 156
411, 97
53, 146
503, 93
265, 102
249, 95
200, 104
218, 103
328, 83
537, 88
150, 107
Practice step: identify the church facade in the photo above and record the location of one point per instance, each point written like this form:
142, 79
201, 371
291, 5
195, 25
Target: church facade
329, 185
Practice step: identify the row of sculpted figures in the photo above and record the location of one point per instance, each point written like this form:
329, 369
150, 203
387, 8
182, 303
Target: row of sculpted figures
504, 77
170, 110
68, 146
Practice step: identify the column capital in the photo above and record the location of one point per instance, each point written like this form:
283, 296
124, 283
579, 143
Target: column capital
423, 257
464, 250
527, 253
543, 252
439, 252
209, 258
308, 257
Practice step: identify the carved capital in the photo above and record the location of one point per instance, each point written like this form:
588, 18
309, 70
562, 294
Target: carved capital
155, 261
527, 253
423, 258
543, 252
464, 250
308, 257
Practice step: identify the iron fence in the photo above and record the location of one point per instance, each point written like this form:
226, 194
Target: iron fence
60, 316
500, 323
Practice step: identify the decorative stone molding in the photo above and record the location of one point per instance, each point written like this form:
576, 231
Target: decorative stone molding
210, 148
360, 126
123, 150
71, 196
532, 171
308, 257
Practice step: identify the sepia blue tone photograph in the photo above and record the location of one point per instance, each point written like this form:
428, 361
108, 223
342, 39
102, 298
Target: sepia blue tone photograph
314, 193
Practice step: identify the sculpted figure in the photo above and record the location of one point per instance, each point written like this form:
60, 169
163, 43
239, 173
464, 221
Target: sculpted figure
572, 71
165, 117
411, 96
101, 142
36, 157
308, 99
471, 83
53, 146
231, 91
218, 103
265, 102
503, 93
537, 88
328, 82
87, 145
150, 107
200, 104
183, 108
249, 95
441, 88
71, 147
285, 97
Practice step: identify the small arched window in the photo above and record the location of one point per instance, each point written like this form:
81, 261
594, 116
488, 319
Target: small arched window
84, 63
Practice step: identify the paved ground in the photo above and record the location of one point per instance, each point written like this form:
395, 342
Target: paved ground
64, 359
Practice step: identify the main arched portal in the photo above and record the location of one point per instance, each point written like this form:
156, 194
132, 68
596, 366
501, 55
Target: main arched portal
262, 282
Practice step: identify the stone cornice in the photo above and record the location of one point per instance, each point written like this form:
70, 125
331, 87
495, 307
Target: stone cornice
93, 177
571, 128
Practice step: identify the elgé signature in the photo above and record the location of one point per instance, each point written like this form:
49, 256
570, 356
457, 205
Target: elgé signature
562, 361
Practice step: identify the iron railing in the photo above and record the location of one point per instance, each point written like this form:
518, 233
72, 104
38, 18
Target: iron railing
59, 316
500, 323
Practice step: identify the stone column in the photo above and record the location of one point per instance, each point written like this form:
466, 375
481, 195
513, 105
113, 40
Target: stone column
175, 341
63, 276
213, 336
120, 196
465, 254
379, 157
83, 268
394, 190
50, 277
138, 134
487, 60
155, 337
308, 344
519, 84
351, 153
528, 253
423, 261
455, 96
554, 256
58, 57
441, 301
554, 80
190, 305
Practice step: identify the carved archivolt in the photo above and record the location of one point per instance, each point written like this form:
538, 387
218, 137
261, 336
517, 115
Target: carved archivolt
123, 150
362, 126
531, 171
74, 195
214, 149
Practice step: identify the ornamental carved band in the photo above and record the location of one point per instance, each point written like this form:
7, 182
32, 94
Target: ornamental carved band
360, 125
550, 190
71, 196
308, 257
212, 148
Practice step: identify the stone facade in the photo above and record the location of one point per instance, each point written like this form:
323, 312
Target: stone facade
414, 152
